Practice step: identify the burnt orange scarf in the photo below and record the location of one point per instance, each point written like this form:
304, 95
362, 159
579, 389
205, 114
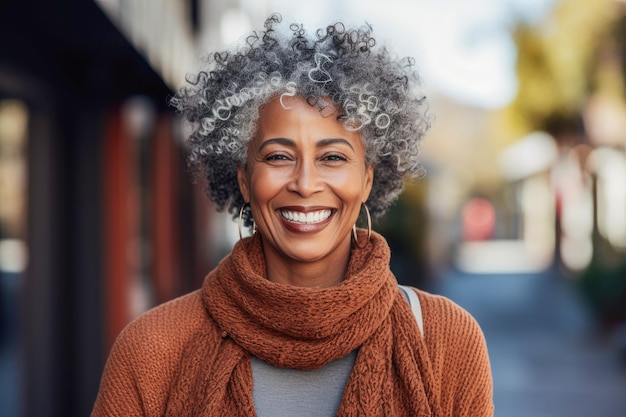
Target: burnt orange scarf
305, 328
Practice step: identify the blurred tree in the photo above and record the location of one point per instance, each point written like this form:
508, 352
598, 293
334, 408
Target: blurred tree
558, 65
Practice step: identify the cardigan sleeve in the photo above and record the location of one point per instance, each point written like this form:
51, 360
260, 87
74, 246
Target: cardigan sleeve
119, 391
459, 356
474, 391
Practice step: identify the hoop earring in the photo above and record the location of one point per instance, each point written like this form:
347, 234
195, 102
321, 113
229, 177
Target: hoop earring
369, 229
240, 222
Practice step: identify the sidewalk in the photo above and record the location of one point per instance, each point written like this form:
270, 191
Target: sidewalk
545, 358
9, 356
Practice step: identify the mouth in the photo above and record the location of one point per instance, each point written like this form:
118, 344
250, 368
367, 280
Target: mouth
310, 217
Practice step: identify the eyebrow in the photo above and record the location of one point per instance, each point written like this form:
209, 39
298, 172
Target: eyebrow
320, 144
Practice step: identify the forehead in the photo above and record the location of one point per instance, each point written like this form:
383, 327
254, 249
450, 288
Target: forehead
294, 114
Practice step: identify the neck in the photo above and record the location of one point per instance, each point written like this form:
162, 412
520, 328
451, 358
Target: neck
322, 273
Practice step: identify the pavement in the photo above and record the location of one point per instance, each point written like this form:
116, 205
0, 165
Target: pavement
547, 357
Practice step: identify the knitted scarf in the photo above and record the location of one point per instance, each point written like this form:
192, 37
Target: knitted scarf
305, 328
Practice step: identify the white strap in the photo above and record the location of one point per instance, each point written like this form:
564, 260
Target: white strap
414, 302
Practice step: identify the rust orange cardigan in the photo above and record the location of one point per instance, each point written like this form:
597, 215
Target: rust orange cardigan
143, 373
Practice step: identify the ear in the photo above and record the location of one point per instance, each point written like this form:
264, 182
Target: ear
369, 182
242, 179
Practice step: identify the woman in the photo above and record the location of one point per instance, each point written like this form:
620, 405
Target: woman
296, 135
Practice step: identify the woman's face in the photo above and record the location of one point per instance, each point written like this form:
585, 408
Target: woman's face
305, 181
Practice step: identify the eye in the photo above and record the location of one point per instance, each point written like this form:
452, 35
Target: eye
277, 157
334, 157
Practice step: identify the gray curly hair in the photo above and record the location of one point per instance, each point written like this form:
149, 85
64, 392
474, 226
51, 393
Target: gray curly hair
377, 94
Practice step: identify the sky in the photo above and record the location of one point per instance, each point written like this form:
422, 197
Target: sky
463, 48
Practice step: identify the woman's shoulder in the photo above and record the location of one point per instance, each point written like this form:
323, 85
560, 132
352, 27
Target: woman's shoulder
160, 334
458, 354
447, 322
168, 324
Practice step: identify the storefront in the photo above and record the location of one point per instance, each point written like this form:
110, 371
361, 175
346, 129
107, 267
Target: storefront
91, 176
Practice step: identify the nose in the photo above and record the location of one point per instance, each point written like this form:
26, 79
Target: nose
306, 179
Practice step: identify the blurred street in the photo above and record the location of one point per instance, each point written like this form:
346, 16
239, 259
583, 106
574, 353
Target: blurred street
546, 356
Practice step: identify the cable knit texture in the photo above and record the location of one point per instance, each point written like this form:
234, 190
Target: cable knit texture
191, 356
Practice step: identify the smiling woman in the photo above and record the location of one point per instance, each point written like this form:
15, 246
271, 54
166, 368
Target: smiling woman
296, 135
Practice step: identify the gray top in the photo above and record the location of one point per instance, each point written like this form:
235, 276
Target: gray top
282, 392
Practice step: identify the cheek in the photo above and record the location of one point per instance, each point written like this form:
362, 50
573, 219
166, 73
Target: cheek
350, 182
263, 185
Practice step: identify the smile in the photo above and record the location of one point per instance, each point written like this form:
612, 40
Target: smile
312, 217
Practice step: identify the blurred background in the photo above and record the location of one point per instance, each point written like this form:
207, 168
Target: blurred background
520, 216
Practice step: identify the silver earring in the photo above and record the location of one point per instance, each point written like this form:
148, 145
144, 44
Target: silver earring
369, 229
240, 222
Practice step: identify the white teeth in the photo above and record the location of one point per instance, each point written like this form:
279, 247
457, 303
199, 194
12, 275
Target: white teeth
306, 218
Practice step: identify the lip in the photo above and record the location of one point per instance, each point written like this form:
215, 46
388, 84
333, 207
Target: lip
305, 227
